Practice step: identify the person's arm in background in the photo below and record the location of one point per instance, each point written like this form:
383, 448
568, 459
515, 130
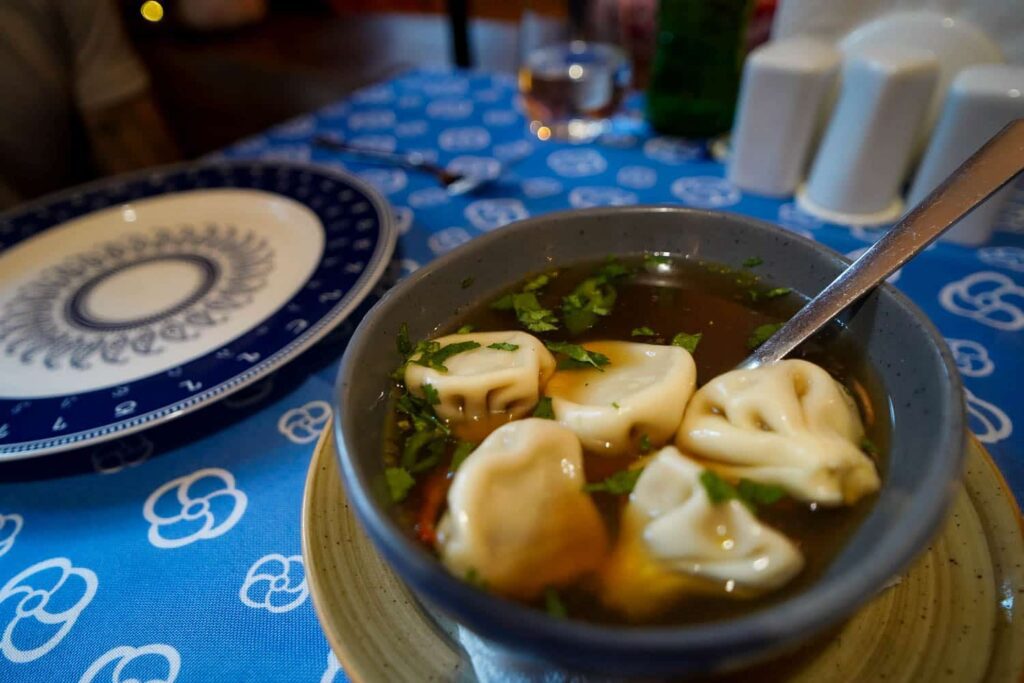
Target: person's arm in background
111, 90
129, 135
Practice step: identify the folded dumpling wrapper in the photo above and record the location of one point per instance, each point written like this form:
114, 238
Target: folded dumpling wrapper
483, 381
790, 424
643, 390
673, 542
517, 516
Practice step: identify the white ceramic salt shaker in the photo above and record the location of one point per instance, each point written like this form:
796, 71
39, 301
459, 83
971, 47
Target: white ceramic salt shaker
786, 84
981, 100
864, 155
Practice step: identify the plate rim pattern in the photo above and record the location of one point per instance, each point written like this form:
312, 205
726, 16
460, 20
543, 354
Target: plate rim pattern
376, 265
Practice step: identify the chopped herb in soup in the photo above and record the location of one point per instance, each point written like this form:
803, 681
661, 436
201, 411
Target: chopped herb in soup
582, 444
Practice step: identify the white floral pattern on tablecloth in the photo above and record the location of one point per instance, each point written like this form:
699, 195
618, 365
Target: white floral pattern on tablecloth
182, 541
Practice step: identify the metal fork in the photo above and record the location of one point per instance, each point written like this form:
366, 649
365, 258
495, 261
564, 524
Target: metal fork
454, 183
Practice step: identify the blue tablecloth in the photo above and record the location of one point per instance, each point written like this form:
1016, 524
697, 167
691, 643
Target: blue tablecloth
175, 554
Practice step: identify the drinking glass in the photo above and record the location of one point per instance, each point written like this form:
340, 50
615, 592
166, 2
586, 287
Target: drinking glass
572, 75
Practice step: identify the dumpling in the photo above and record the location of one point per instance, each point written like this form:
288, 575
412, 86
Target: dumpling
643, 390
504, 374
674, 541
517, 515
789, 424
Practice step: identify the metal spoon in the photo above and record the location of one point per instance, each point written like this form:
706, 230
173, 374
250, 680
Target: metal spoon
454, 183
989, 169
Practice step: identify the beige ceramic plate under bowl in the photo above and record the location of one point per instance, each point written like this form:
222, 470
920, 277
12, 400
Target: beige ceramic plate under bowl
952, 617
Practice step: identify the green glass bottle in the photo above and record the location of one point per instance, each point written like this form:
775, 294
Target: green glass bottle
698, 61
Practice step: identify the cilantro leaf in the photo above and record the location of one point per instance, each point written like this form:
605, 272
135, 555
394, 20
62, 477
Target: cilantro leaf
462, 451
687, 341
465, 329
531, 314
537, 283
762, 333
503, 346
473, 578
426, 347
400, 482
753, 262
774, 293
424, 447
754, 494
869, 447
433, 355
414, 444
403, 342
421, 413
544, 409
405, 348
615, 405
751, 493
654, 259
398, 374
619, 484
642, 332
577, 356
503, 303
593, 298
527, 307
572, 364
553, 604
719, 490
430, 393
435, 449
449, 350
645, 444
612, 270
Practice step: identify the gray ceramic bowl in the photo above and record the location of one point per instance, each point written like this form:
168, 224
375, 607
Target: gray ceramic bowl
904, 348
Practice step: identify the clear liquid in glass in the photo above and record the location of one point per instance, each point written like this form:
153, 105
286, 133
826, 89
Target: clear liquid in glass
570, 90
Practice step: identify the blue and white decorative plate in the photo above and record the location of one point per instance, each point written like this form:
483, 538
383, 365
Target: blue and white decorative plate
138, 299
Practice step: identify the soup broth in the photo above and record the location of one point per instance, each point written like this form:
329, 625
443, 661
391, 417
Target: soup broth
726, 306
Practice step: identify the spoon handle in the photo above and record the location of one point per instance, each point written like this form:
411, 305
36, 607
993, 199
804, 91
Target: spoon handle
989, 169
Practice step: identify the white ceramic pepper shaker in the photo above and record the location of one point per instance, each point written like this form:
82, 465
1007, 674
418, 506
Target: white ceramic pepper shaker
867, 147
981, 100
786, 84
